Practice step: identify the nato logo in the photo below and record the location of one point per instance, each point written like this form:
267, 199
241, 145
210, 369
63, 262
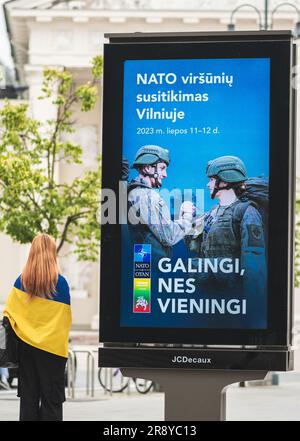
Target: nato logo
142, 252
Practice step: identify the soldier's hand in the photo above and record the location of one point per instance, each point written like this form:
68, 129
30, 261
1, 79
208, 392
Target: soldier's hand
187, 211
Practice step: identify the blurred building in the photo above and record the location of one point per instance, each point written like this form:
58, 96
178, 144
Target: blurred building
70, 33
8, 87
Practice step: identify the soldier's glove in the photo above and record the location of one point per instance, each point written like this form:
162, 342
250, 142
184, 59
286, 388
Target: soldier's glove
187, 211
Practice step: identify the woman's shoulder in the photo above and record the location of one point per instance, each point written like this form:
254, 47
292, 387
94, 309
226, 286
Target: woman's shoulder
62, 290
62, 280
18, 282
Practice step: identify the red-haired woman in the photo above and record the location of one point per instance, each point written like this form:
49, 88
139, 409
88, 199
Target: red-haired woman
39, 312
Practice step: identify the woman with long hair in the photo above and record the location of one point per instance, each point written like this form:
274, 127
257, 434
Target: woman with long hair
38, 309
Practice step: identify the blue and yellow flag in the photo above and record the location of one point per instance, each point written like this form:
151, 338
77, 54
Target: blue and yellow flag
40, 322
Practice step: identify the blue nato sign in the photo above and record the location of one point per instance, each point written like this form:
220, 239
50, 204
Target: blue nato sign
142, 253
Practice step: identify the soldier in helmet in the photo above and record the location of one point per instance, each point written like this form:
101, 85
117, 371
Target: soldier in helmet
149, 216
233, 229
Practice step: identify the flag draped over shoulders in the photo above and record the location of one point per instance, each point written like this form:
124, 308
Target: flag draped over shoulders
41, 322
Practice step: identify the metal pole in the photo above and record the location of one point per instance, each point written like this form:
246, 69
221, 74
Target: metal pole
71, 374
92, 359
87, 373
129, 385
93, 375
110, 381
105, 380
266, 14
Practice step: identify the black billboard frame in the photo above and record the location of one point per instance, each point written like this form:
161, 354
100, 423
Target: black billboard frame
278, 46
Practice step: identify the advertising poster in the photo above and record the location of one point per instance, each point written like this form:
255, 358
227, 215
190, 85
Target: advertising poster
196, 138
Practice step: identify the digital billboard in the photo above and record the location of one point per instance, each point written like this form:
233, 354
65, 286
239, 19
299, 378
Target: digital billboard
198, 159
196, 136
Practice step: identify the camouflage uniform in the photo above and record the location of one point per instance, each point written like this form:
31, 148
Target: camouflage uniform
150, 221
234, 231
227, 236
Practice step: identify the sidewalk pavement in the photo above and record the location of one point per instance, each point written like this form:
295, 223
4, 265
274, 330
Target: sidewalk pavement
251, 403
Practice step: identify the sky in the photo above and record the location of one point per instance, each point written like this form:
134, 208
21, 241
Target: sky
4, 46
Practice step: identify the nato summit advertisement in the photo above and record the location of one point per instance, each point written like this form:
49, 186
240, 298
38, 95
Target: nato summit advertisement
196, 170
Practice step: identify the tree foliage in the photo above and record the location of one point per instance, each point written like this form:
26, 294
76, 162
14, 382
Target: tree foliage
31, 198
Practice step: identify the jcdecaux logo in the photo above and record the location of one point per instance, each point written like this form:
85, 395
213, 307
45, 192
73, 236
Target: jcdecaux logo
191, 360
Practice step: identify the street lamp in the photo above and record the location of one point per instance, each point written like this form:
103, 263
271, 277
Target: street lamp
231, 25
297, 29
265, 26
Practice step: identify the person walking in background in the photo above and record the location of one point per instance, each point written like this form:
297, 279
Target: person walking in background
38, 308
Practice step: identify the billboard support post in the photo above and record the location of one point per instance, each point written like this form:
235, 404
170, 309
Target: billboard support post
194, 395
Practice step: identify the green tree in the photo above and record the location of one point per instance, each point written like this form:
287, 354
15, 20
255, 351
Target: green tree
31, 199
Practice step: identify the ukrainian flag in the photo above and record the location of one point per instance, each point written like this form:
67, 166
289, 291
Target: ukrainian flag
42, 323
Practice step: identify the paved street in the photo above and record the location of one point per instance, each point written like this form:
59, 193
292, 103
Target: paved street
269, 403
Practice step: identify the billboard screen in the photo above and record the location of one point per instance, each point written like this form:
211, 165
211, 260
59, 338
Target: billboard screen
196, 132
195, 138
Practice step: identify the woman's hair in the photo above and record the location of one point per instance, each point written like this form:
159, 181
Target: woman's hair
239, 188
40, 274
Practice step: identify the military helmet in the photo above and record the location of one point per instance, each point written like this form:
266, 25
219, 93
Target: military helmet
151, 154
227, 168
